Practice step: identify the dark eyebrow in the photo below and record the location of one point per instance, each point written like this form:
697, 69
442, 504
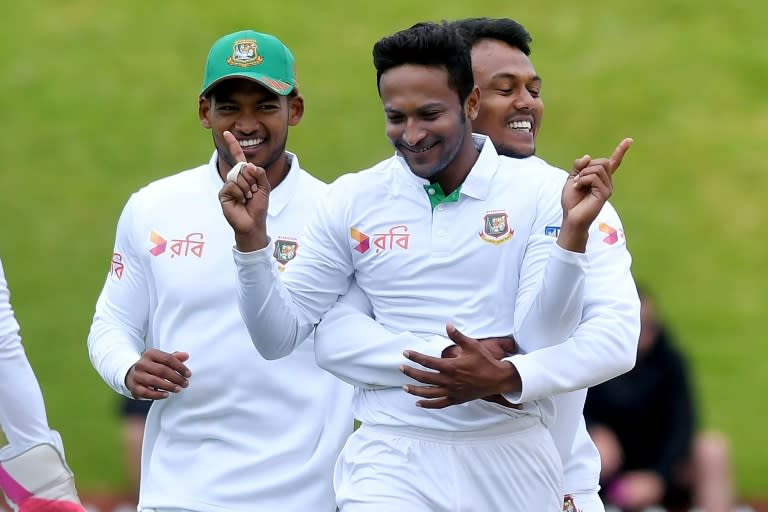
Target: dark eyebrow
512, 76
428, 106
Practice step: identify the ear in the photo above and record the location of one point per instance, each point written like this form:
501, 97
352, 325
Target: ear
472, 105
203, 109
295, 109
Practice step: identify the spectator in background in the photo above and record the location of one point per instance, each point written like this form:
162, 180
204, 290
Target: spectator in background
643, 423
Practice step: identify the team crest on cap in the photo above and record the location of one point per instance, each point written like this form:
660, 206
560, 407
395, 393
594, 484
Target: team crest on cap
285, 250
245, 53
496, 228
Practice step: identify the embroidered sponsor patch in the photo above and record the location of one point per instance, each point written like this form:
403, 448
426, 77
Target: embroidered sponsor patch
396, 236
191, 245
363, 242
117, 266
159, 244
614, 235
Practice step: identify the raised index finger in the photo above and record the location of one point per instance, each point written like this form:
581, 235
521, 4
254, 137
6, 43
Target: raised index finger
234, 147
618, 154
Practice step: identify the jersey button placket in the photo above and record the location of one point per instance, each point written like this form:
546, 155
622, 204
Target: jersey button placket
441, 228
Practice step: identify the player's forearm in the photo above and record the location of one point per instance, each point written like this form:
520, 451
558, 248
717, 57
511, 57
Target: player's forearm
112, 353
251, 241
266, 306
603, 346
573, 236
549, 308
360, 351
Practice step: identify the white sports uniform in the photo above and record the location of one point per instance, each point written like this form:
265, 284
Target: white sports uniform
22, 410
500, 274
362, 352
247, 434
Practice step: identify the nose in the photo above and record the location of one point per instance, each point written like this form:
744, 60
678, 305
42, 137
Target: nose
524, 100
246, 123
414, 132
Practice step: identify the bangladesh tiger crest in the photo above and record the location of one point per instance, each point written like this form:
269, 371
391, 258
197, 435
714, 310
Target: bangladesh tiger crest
569, 505
496, 228
285, 251
245, 53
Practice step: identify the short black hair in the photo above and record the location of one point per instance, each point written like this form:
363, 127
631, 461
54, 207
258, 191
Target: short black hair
505, 30
427, 44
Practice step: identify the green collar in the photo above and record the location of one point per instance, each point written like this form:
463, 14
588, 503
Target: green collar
437, 196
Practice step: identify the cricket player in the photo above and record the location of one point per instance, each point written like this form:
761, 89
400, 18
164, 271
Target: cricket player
444, 231
33, 474
365, 354
228, 430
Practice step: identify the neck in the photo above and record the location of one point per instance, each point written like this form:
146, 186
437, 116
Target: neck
458, 170
278, 170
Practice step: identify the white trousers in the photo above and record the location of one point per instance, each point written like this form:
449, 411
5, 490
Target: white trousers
512, 467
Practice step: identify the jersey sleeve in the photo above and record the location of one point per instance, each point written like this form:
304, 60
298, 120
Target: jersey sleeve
23, 418
354, 347
550, 296
280, 313
604, 344
9, 328
117, 335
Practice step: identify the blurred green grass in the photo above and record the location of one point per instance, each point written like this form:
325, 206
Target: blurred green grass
99, 98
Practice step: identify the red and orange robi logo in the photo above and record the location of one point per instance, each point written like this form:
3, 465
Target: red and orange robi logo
363, 242
394, 237
192, 244
159, 242
614, 235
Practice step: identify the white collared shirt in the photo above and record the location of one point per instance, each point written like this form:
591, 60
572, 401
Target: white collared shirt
479, 263
246, 430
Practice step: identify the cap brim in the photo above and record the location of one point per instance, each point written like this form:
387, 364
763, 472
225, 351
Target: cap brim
277, 86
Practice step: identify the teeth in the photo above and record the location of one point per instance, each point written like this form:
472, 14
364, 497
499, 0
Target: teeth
422, 150
520, 125
250, 142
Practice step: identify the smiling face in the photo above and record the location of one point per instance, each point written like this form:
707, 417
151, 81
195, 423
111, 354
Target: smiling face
427, 124
259, 120
510, 104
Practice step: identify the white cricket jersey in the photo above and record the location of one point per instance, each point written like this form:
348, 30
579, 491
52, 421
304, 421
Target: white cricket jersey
487, 263
362, 352
247, 434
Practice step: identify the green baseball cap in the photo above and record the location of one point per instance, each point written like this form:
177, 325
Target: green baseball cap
252, 55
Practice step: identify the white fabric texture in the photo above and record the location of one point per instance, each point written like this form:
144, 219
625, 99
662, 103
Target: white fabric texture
246, 431
419, 270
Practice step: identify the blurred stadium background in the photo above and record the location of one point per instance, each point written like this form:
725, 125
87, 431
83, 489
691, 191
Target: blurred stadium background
98, 98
